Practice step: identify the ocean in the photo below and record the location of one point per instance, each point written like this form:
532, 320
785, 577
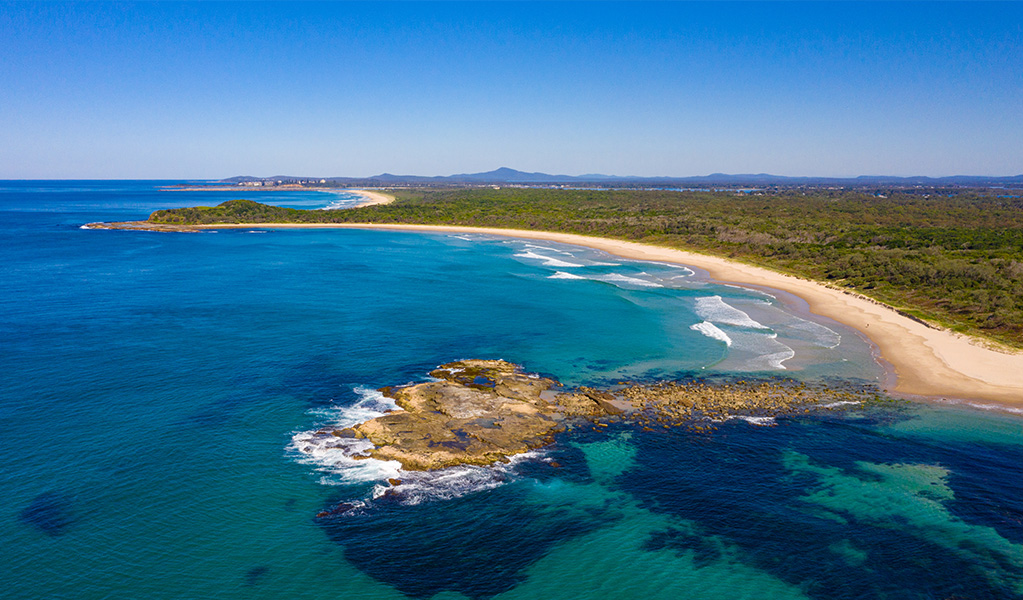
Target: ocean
159, 391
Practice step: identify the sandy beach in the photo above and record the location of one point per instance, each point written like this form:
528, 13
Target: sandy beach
927, 362
371, 197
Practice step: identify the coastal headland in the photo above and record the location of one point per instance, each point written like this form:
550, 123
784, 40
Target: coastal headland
925, 361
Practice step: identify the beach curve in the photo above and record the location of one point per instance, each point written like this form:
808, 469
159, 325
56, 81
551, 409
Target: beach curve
926, 361
371, 198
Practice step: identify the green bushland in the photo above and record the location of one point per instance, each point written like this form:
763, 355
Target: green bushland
957, 261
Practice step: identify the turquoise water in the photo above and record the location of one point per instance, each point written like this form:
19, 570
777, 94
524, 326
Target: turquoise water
159, 391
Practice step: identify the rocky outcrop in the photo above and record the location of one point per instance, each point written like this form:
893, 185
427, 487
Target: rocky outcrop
478, 412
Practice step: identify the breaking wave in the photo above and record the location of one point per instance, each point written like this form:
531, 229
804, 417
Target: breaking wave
612, 278
758, 421
547, 260
983, 406
345, 461
714, 309
820, 335
772, 361
712, 331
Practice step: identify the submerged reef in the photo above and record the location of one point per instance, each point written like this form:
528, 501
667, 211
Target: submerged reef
479, 412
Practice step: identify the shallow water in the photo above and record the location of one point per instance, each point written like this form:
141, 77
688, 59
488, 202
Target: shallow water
157, 389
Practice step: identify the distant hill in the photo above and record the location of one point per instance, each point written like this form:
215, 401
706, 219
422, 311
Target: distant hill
505, 175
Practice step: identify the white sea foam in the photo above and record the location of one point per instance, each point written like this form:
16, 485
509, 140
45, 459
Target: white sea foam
372, 404
612, 278
341, 460
711, 330
535, 247
715, 310
453, 482
345, 461
820, 335
840, 403
337, 204
988, 407
564, 275
85, 227
547, 260
758, 421
688, 272
619, 278
773, 360
347, 200
743, 332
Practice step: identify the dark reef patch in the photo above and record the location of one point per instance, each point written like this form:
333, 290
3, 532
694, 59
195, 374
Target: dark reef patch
733, 485
704, 551
50, 513
254, 575
478, 545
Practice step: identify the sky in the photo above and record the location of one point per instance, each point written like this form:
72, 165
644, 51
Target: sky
209, 90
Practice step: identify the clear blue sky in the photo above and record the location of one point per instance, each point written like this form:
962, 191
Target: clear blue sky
209, 90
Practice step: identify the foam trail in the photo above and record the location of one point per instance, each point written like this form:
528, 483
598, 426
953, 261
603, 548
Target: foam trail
534, 246
453, 482
773, 360
758, 421
714, 309
618, 278
689, 272
563, 275
347, 200
822, 336
840, 403
547, 260
612, 278
710, 330
986, 407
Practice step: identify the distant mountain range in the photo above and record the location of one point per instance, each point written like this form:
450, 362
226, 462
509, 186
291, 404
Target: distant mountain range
505, 175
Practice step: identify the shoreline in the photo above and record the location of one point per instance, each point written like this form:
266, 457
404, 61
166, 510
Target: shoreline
372, 198
927, 362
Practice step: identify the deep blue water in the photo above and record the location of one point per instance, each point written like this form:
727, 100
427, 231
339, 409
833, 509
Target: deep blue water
157, 391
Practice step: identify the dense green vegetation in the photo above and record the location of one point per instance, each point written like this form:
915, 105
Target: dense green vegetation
955, 260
